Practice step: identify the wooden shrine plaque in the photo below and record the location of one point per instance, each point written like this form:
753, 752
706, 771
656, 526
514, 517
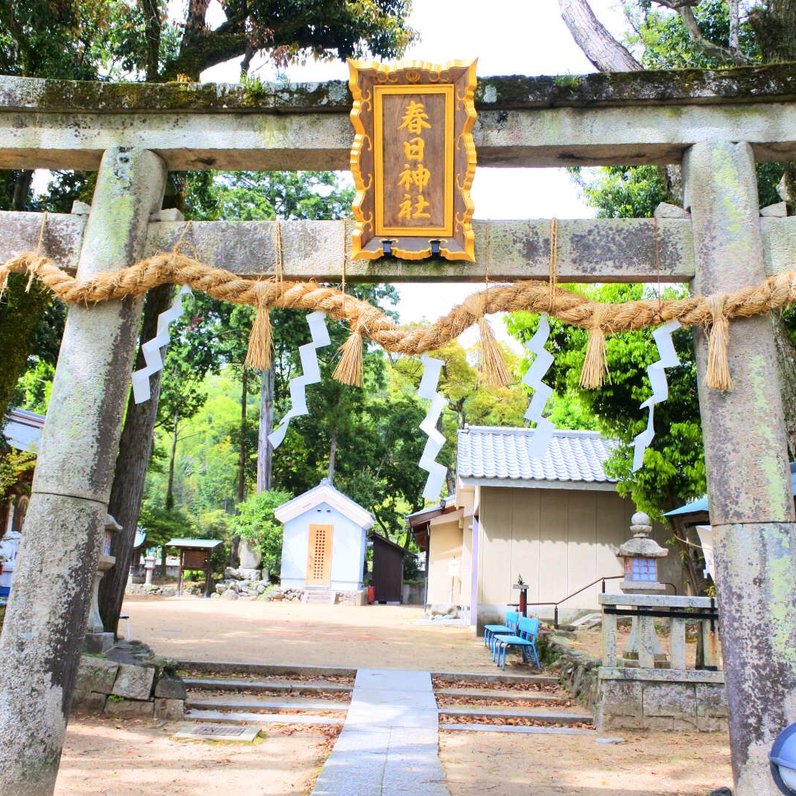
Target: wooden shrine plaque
413, 160
195, 559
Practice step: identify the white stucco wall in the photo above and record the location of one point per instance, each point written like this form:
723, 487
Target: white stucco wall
348, 549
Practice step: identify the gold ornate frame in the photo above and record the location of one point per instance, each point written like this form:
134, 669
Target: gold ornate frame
369, 82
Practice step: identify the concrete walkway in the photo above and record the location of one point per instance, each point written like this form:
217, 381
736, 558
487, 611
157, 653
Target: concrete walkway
389, 743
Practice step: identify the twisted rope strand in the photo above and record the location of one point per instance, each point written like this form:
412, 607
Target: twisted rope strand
773, 293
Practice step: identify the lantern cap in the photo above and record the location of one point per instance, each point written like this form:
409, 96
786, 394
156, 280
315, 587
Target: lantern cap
641, 546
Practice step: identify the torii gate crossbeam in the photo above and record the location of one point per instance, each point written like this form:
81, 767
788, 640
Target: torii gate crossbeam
133, 134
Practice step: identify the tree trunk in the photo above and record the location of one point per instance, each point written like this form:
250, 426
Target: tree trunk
597, 44
242, 449
264, 452
332, 457
172, 459
135, 447
153, 28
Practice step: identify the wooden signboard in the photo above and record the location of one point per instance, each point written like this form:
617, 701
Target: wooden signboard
413, 160
195, 559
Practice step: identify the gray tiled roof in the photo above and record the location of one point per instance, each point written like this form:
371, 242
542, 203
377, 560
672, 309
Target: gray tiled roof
501, 454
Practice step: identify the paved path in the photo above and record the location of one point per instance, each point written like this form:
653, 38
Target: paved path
389, 743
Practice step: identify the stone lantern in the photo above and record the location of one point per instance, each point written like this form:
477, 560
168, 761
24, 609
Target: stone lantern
97, 640
640, 556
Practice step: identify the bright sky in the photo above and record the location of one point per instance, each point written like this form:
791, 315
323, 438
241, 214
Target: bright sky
507, 37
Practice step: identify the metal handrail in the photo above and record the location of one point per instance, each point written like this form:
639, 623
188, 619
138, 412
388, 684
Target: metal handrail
588, 586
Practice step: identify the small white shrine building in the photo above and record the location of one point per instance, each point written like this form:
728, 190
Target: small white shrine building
324, 542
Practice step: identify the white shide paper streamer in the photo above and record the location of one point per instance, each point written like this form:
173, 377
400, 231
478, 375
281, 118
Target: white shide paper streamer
151, 349
660, 387
428, 390
311, 374
541, 392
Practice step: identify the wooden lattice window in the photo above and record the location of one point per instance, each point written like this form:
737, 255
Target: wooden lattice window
319, 555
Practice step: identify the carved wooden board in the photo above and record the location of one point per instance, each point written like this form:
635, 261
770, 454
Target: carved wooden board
413, 160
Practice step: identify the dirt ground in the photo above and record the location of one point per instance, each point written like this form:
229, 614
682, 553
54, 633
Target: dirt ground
106, 757
645, 764
109, 757
382, 636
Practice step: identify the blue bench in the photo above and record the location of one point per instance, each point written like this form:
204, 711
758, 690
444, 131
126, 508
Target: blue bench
492, 631
524, 640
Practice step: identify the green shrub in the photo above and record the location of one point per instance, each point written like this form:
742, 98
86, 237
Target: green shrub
255, 521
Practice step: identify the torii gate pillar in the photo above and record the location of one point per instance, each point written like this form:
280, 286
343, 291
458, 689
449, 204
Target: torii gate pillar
47, 613
749, 489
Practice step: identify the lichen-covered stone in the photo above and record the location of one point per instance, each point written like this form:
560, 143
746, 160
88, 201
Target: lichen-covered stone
134, 682
170, 688
91, 702
169, 709
676, 700
96, 674
130, 708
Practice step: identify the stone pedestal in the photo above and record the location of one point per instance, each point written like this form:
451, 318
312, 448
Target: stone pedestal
149, 567
97, 640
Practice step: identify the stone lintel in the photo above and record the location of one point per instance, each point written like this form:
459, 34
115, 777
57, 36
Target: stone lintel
656, 600
661, 675
532, 137
769, 83
604, 250
590, 250
596, 119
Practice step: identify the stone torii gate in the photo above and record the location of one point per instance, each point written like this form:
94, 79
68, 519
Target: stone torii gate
717, 124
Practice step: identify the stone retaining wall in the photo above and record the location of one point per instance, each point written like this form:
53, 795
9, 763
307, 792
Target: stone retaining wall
661, 699
639, 699
150, 689
577, 671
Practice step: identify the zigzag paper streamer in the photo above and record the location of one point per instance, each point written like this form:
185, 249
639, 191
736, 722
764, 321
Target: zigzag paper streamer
311, 374
428, 390
660, 387
151, 349
541, 392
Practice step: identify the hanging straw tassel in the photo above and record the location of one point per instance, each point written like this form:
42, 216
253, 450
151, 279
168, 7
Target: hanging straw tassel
595, 364
349, 368
718, 376
493, 366
258, 356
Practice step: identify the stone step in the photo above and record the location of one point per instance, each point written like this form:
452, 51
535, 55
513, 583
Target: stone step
225, 684
471, 677
235, 669
266, 705
514, 713
260, 719
487, 694
515, 729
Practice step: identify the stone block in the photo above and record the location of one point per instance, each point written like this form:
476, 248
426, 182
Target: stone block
669, 723
621, 698
170, 709
97, 643
88, 703
608, 723
169, 687
670, 700
706, 724
130, 708
134, 682
96, 674
711, 701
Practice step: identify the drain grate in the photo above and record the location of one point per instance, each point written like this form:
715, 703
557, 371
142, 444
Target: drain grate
218, 732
